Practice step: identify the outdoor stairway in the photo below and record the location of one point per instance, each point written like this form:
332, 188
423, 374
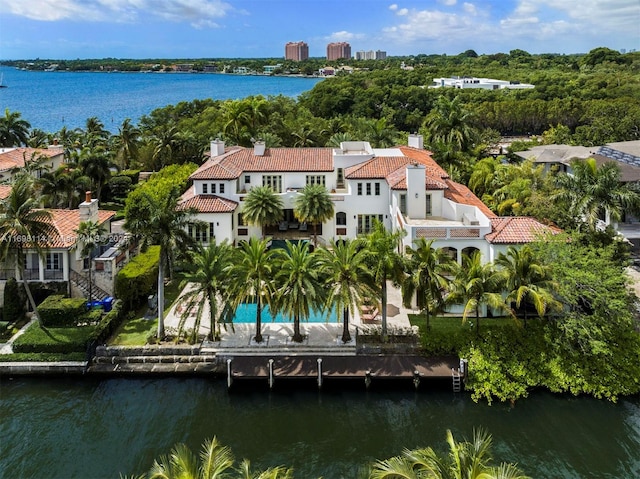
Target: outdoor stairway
82, 282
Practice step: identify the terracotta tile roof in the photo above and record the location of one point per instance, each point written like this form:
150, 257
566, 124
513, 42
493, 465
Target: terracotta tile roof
517, 230
65, 222
206, 203
15, 157
4, 191
459, 193
236, 161
392, 168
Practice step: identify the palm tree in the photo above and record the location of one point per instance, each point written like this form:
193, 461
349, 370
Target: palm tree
95, 134
91, 234
14, 131
313, 205
127, 142
298, 283
208, 280
165, 142
429, 271
262, 207
252, 275
97, 167
215, 462
592, 193
64, 187
347, 277
385, 262
20, 220
157, 219
450, 123
476, 284
466, 460
526, 280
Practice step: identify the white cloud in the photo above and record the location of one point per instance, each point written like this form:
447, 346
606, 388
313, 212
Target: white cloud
199, 13
448, 3
344, 36
393, 7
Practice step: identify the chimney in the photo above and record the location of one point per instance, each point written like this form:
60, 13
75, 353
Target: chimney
259, 148
416, 141
416, 194
88, 209
217, 147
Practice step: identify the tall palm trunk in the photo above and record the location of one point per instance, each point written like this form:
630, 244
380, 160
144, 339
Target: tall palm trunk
32, 302
477, 320
161, 297
346, 335
214, 334
258, 336
297, 336
384, 308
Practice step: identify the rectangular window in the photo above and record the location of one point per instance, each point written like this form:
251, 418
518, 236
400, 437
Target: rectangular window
368, 189
211, 233
365, 223
273, 181
340, 182
221, 188
213, 188
241, 220
403, 204
377, 189
315, 180
247, 179
54, 261
205, 189
359, 189
428, 200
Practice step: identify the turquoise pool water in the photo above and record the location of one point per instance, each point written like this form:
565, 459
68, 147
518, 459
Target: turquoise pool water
246, 313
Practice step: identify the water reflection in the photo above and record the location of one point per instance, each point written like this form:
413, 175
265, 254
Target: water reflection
54, 428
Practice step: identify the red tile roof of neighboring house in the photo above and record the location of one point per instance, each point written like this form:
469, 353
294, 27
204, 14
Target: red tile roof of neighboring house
15, 157
207, 203
236, 161
4, 191
459, 193
65, 223
517, 230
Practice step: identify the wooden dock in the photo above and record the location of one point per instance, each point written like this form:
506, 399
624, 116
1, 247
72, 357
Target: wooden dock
367, 368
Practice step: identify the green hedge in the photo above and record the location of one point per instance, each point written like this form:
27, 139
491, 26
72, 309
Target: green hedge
54, 340
110, 321
57, 310
138, 278
42, 357
15, 301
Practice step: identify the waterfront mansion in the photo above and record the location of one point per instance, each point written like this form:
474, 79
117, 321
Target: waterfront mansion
403, 187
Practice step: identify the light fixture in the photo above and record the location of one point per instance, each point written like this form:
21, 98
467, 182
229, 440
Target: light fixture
416, 195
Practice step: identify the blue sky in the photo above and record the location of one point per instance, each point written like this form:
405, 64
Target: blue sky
68, 29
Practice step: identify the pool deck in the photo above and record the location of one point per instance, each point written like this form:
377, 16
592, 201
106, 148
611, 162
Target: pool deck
278, 335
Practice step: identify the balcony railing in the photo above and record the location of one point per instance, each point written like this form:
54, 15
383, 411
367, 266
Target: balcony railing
53, 274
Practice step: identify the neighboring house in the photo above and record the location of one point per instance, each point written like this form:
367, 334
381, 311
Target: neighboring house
403, 187
15, 158
62, 260
479, 83
625, 154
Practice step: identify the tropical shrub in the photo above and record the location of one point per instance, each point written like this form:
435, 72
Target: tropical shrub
14, 301
137, 279
57, 310
54, 340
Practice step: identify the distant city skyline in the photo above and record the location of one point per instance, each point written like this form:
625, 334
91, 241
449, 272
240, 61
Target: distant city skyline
69, 29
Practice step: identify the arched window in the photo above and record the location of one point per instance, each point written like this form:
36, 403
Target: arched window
468, 251
452, 252
341, 218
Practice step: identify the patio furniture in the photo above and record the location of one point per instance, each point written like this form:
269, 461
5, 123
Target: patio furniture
283, 226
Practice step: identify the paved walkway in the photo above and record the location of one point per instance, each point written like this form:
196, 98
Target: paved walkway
7, 348
279, 335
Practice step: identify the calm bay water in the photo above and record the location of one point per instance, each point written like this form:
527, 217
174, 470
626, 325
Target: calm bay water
80, 428
51, 100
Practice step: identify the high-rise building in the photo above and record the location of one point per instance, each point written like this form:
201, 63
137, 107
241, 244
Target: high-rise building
338, 50
371, 55
296, 51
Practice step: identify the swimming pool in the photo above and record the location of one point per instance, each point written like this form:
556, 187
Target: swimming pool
246, 313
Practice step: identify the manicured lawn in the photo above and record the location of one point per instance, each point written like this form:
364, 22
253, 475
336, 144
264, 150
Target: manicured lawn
134, 332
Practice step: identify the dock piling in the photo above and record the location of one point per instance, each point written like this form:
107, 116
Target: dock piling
416, 378
270, 373
229, 377
319, 373
367, 378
